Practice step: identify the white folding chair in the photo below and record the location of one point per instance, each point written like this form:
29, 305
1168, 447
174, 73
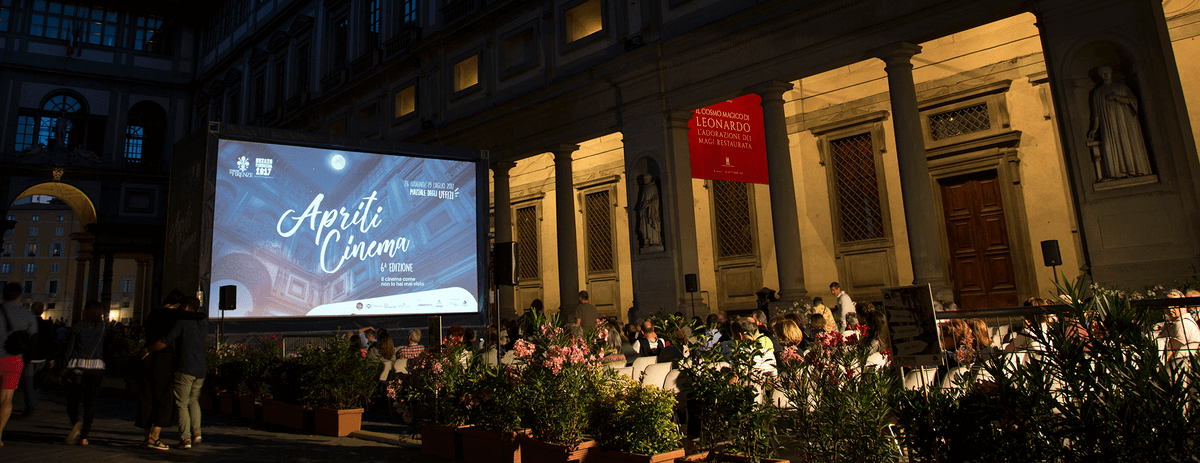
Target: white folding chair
656, 374
640, 364
627, 371
671, 383
919, 378
400, 366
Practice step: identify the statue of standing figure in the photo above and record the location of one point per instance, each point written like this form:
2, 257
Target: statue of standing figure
1115, 122
649, 213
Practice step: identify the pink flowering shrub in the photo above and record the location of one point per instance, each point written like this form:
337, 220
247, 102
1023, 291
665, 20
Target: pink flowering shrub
438, 385
558, 383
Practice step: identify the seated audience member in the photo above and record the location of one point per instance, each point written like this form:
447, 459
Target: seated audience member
629, 343
851, 320
879, 335
384, 353
819, 308
573, 330
958, 343
454, 335
746, 329
673, 352
712, 331
614, 346
414, 348
790, 334
1181, 330
649, 344
470, 339
366, 337
984, 349
817, 324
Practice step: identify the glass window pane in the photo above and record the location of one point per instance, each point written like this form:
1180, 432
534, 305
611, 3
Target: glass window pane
39, 5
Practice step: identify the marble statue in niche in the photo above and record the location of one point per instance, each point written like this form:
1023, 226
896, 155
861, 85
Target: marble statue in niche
1118, 147
649, 213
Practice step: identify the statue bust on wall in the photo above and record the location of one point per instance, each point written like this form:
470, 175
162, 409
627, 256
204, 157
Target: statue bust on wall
649, 213
1115, 130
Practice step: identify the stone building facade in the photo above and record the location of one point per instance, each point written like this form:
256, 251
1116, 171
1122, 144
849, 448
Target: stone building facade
927, 141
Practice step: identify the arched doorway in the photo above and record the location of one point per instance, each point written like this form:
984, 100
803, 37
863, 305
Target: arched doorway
79, 201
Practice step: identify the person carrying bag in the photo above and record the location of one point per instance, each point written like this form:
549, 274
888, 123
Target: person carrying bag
85, 370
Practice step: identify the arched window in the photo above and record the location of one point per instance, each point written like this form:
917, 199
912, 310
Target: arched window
144, 132
61, 121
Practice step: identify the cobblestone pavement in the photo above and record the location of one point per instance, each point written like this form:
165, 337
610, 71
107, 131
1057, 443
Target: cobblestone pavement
114, 438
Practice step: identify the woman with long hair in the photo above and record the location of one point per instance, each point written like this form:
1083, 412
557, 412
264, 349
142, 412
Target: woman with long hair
85, 370
383, 353
879, 337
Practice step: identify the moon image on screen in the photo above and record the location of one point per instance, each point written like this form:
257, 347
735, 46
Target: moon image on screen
338, 162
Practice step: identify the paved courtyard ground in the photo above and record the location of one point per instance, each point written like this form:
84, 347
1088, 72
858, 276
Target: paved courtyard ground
114, 438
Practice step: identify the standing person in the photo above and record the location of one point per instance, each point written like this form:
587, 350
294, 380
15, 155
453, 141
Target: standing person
37, 361
585, 313
15, 318
85, 367
844, 305
156, 380
191, 333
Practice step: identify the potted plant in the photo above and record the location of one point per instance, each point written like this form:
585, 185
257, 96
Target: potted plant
493, 407
433, 391
226, 372
560, 374
723, 388
844, 412
335, 379
633, 423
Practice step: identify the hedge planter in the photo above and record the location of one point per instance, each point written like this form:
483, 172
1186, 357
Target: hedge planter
206, 401
226, 401
337, 423
727, 458
611, 456
490, 447
442, 441
536, 451
247, 408
283, 414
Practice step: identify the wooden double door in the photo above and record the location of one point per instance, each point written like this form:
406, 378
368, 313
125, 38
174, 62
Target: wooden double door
981, 260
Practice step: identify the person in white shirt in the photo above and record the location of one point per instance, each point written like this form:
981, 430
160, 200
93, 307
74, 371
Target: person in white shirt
844, 304
1181, 330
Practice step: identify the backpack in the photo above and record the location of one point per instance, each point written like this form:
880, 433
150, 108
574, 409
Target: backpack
19, 342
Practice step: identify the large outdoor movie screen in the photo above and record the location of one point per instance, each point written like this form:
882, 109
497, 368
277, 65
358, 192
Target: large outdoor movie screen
316, 232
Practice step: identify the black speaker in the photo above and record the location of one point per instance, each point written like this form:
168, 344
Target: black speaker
228, 297
691, 282
505, 263
1050, 254
435, 331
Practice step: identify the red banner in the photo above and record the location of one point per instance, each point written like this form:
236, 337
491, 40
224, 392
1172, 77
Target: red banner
727, 141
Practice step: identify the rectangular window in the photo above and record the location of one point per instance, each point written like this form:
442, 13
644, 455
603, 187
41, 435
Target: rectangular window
28, 287
260, 95
520, 50
5, 268
280, 80
126, 286
60, 218
33, 231
960, 121
58, 231
408, 13
56, 250
856, 186
406, 101
527, 236
65, 21
583, 20
466, 73
135, 139
36, 218
339, 36
731, 209
31, 249
147, 34
54, 268
52, 287
26, 129
597, 222
371, 20
303, 60
29, 268
8, 250
5, 11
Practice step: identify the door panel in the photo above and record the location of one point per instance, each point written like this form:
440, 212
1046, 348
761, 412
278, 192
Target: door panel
977, 237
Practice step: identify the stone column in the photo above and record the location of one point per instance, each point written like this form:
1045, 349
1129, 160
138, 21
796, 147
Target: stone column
920, 215
564, 209
106, 283
502, 204
93, 279
78, 300
785, 222
139, 291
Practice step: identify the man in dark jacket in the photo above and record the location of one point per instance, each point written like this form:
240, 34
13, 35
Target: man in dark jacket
39, 360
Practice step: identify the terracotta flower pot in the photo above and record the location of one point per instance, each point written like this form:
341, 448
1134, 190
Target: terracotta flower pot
226, 401
490, 447
536, 451
283, 414
442, 441
337, 423
611, 456
725, 457
247, 408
